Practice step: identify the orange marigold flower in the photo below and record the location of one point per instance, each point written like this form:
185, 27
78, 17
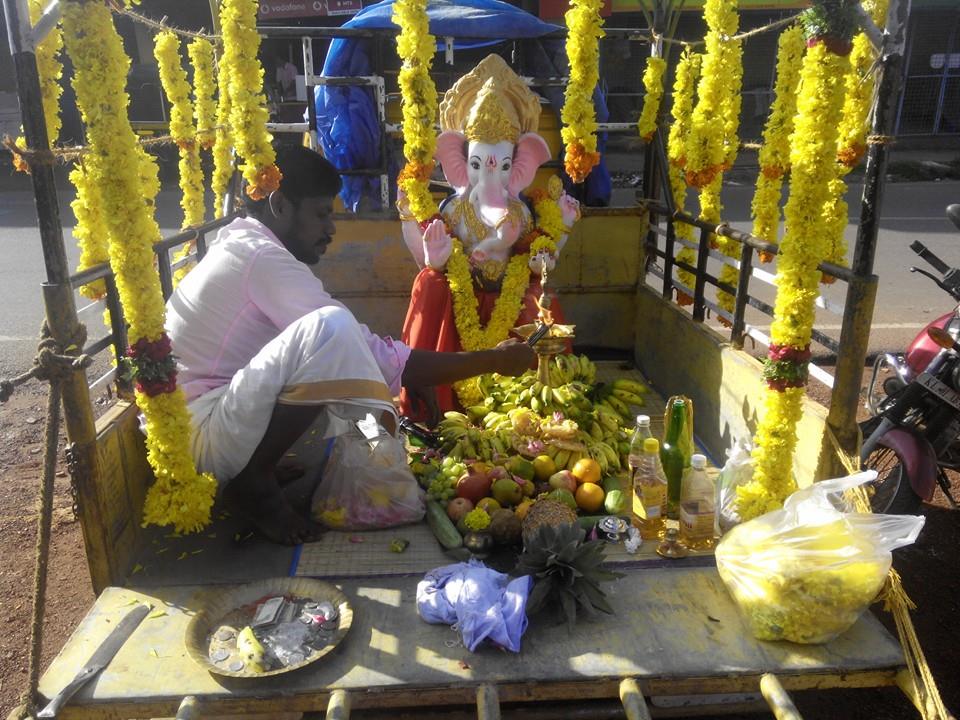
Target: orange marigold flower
578, 162
268, 181
850, 156
772, 172
683, 299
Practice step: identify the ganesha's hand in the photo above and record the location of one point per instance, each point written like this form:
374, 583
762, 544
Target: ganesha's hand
536, 262
403, 207
569, 210
437, 244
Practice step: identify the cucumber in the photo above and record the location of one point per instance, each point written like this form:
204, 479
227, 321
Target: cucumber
586, 522
442, 527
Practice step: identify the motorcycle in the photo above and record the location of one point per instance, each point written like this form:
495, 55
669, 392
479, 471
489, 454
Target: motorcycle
913, 436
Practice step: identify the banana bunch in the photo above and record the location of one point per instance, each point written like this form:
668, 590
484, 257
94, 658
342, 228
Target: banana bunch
462, 439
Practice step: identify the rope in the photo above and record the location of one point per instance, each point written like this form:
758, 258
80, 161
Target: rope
739, 36
53, 364
897, 603
33, 158
65, 154
881, 139
158, 24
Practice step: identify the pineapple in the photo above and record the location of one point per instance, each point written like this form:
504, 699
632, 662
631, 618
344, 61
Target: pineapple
566, 570
546, 512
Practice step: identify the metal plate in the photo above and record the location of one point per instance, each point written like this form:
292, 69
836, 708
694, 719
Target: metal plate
236, 607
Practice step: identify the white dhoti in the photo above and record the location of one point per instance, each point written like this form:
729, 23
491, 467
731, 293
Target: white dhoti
320, 359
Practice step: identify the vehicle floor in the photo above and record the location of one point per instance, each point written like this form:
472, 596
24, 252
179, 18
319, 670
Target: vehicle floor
930, 570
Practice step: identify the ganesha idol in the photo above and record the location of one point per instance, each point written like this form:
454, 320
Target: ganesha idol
489, 244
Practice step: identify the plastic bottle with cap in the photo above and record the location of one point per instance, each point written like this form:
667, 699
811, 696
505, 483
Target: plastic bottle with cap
697, 505
649, 491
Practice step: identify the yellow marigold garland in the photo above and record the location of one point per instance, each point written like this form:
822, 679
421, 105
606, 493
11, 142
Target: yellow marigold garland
90, 229
653, 85
684, 86
579, 132
707, 153
248, 106
774, 157
712, 142
416, 48
812, 159
173, 79
180, 496
854, 126
50, 71
200, 51
222, 143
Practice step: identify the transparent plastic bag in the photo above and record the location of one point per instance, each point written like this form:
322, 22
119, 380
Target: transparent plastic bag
367, 484
807, 571
737, 471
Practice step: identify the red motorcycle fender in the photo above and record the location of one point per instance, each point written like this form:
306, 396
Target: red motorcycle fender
918, 457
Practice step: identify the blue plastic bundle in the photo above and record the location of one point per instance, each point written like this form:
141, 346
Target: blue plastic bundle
485, 604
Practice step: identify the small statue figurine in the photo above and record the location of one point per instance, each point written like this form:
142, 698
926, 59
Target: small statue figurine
489, 152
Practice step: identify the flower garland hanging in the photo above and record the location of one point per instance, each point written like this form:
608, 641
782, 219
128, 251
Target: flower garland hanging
774, 156
416, 48
222, 143
50, 70
248, 106
200, 51
179, 496
90, 227
707, 153
812, 160
712, 142
653, 87
854, 126
173, 79
579, 132
688, 71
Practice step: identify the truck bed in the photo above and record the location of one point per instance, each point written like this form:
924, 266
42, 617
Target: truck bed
675, 629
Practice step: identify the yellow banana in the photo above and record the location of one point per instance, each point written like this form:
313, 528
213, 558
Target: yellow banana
574, 458
632, 386
561, 458
454, 415
627, 397
251, 651
596, 430
551, 451
618, 406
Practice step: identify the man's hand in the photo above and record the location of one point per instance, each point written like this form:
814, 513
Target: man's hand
514, 357
424, 401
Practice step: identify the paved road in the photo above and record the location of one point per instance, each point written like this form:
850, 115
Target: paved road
905, 302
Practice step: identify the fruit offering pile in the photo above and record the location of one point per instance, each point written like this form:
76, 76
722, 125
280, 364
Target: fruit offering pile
567, 441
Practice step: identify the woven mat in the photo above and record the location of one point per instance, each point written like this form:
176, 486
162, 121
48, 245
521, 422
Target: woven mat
367, 554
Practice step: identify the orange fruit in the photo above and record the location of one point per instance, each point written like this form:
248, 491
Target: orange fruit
587, 470
590, 497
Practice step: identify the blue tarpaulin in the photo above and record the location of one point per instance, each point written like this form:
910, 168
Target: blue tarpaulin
347, 125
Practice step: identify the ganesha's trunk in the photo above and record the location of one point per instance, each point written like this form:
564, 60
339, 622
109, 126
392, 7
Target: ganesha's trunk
493, 202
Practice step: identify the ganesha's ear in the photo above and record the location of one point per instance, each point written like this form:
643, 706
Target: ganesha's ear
531, 153
452, 154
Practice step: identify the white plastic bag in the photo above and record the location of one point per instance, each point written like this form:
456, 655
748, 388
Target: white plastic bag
737, 471
807, 571
367, 483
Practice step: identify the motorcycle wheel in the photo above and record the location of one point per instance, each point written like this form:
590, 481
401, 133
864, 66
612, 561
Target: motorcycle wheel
891, 492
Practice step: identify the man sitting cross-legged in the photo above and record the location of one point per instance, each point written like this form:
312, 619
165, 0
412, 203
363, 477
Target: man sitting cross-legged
263, 348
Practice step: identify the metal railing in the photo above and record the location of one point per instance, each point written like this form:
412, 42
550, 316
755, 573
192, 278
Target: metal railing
663, 217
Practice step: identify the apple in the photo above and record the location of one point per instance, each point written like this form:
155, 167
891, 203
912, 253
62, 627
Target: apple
473, 486
563, 480
458, 507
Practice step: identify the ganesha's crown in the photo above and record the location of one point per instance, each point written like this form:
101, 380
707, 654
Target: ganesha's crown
491, 103
491, 120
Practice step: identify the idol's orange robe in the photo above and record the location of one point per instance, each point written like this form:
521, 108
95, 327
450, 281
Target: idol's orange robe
430, 325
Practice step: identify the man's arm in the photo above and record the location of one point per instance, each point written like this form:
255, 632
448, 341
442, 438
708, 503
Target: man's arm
425, 368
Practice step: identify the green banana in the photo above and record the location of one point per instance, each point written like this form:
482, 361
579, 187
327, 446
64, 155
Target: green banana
627, 397
631, 386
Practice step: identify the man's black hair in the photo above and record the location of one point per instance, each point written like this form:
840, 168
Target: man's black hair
306, 174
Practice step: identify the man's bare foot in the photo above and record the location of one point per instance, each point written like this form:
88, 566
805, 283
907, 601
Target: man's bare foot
270, 513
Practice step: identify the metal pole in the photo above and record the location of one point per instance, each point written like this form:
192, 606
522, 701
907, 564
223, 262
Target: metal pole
861, 293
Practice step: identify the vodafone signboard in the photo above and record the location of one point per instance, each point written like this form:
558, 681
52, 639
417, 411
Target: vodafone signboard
282, 9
